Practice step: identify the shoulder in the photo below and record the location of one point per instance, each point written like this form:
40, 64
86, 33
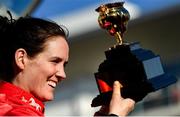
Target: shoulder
4, 106
13, 107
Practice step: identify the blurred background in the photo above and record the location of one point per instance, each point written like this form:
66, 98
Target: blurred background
154, 23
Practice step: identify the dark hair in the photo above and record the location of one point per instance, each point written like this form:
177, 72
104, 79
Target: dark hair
26, 32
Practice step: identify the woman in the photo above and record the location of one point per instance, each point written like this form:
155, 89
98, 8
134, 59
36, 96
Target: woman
33, 55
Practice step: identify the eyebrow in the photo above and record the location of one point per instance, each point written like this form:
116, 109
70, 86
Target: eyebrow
57, 58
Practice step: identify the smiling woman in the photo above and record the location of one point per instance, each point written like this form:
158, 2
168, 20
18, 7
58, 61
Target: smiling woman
32, 65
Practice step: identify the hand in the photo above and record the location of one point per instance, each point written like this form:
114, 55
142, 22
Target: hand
118, 105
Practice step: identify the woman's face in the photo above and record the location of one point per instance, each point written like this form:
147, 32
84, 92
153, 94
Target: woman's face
43, 72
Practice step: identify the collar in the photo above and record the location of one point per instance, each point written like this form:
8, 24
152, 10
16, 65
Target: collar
17, 93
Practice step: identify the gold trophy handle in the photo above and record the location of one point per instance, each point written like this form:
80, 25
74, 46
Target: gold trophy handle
118, 38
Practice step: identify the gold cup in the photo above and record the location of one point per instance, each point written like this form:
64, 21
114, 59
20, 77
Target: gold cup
114, 18
129, 64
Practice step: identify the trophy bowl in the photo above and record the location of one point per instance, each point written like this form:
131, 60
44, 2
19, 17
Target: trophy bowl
114, 18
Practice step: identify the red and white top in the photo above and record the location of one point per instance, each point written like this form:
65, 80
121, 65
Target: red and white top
14, 101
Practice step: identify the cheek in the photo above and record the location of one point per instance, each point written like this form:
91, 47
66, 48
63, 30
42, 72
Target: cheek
39, 79
48, 70
42, 71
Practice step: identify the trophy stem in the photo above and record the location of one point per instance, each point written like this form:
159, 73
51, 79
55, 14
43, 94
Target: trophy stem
118, 38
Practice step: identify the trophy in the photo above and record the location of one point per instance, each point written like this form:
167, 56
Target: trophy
138, 70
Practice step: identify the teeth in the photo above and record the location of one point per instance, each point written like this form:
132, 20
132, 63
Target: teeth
52, 84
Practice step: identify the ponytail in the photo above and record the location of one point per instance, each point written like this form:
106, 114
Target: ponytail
6, 26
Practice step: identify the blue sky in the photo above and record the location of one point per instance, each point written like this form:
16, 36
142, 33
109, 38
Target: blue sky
50, 8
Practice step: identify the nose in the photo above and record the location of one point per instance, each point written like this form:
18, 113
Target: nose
61, 73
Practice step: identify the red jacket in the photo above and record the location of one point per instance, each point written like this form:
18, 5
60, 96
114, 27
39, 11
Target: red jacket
16, 102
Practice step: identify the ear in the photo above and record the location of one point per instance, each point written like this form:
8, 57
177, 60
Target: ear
20, 58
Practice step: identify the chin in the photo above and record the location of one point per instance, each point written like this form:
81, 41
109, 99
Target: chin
47, 98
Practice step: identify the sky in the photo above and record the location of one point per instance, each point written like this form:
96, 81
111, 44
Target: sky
51, 8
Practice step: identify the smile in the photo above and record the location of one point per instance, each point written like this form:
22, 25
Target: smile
51, 83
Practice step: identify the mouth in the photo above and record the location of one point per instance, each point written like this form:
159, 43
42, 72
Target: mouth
52, 83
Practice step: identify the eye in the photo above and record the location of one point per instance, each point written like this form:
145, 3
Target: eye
55, 61
65, 64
